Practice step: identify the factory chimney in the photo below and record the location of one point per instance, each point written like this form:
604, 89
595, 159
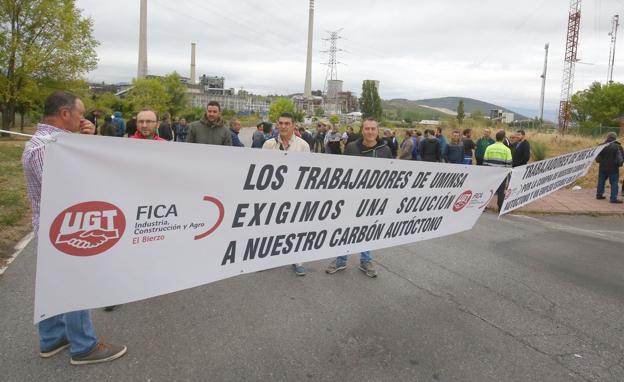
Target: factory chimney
142, 67
307, 92
193, 63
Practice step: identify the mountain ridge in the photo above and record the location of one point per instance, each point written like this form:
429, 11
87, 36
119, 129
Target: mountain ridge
448, 106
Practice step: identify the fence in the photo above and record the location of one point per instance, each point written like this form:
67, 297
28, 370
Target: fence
599, 131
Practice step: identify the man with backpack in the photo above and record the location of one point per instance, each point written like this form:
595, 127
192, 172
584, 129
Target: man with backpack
611, 159
430, 148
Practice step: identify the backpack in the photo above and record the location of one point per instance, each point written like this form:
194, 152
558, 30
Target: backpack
415, 152
619, 158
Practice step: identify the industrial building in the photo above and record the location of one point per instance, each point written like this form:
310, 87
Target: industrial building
497, 115
242, 102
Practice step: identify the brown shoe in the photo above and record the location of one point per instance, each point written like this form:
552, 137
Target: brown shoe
102, 352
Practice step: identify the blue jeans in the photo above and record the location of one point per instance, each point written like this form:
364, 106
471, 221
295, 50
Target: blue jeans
613, 181
365, 257
75, 326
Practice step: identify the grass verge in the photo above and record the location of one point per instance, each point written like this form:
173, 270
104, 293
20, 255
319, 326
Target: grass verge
14, 204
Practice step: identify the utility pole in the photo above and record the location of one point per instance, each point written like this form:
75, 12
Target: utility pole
615, 23
567, 84
543, 76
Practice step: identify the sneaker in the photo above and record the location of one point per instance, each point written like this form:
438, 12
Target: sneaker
369, 269
102, 352
64, 344
616, 201
333, 267
600, 197
299, 269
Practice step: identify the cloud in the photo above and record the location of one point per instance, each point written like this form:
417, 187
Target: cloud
490, 50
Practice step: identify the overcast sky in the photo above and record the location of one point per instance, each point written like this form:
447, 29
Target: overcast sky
492, 50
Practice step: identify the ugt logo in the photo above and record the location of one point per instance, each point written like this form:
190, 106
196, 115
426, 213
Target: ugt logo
462, 201
87, 229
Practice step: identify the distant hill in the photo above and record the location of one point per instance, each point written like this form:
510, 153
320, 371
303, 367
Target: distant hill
440, 107
470, 105
405, 108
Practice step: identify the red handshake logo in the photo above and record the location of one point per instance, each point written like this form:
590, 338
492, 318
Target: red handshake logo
88, 239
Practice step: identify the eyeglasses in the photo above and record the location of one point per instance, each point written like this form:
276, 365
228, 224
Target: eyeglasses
141, 122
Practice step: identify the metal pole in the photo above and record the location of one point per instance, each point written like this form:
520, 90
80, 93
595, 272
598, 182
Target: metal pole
543, 84
614, 27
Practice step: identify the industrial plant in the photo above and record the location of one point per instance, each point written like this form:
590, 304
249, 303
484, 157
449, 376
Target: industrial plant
332, 99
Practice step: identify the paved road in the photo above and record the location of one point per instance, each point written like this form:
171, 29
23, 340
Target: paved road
517, 299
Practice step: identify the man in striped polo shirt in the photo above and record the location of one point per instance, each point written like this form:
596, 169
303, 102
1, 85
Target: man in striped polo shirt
63, 113
498, 155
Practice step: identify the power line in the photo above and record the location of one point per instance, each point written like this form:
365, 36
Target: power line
201, 21
243, 25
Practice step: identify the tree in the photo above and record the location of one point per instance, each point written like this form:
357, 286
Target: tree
460, 112
148, 93
228, 114
334, 119
33, 97
177, 100
477, 115
299, 116
370, 103
279, 106
42, 43
319, 112
194, 113
599, 105
109, 103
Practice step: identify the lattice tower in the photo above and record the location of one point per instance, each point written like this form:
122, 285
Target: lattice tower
567, 84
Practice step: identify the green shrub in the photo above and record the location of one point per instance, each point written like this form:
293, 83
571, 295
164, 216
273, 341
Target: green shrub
539, 150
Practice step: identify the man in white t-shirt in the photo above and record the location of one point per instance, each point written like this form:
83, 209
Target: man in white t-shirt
286, 140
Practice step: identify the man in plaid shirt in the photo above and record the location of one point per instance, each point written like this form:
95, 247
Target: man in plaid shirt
63, 114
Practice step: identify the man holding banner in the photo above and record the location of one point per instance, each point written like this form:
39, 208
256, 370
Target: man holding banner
368, 146
286, 140
210, 129
146, 126
63, 114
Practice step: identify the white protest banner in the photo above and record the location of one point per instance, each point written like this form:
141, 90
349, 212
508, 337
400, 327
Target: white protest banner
538, 179
123, 220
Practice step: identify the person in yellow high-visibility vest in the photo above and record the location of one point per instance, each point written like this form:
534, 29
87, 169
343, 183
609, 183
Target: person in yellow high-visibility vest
498, 155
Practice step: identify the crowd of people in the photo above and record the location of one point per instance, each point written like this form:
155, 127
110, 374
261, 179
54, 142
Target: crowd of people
65, 113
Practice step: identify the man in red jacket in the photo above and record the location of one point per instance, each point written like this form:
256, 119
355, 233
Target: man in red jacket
147, 121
